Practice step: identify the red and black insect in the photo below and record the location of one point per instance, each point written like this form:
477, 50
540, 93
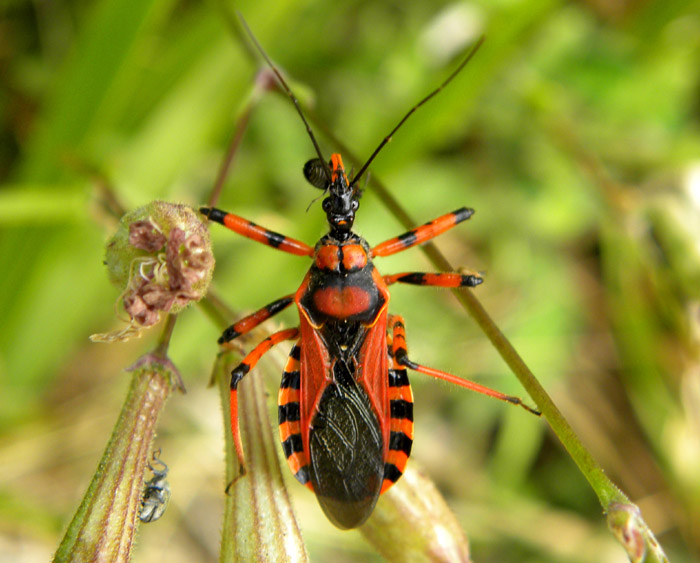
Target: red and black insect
345, 403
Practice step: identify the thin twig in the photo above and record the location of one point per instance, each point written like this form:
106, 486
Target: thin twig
227, 162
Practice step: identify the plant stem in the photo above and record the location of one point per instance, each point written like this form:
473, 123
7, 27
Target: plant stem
104, 525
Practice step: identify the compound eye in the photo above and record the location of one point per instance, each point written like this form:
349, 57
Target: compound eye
326, 204
315, 173
355, 204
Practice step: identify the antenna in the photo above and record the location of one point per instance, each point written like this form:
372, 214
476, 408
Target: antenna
414, 108
289, 93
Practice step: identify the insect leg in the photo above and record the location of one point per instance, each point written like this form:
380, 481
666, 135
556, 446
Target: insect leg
256, 232
242, 369
248, 323
423, 233
401, 357
446, 279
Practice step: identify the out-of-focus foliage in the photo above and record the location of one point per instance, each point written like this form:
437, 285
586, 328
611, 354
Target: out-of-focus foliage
575, 135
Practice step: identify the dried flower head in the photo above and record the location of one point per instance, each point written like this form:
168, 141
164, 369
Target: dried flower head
161, 257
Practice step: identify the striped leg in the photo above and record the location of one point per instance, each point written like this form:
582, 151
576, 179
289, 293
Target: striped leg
248, 323
401, 357
400, 422
423, 233
446, 279
256, 232
242, 369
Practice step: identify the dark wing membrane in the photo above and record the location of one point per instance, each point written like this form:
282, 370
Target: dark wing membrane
346, 450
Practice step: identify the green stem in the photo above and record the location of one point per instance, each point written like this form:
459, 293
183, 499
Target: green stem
104, 525
161, 348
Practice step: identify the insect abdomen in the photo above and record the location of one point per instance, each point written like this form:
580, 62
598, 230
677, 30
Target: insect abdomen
289, 416
400, 426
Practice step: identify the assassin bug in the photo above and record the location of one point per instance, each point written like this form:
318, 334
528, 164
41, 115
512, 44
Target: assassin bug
345, 403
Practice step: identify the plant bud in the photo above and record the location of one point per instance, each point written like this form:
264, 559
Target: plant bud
161, 257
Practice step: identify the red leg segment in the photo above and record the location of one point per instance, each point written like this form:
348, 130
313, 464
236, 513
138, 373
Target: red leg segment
423, 233
257, 233
242, 369
248, 323
447, 279
401, 357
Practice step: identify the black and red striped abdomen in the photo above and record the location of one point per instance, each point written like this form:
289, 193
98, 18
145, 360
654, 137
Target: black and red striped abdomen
289, 418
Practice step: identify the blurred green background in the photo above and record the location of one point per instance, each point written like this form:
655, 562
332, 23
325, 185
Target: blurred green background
574, 133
